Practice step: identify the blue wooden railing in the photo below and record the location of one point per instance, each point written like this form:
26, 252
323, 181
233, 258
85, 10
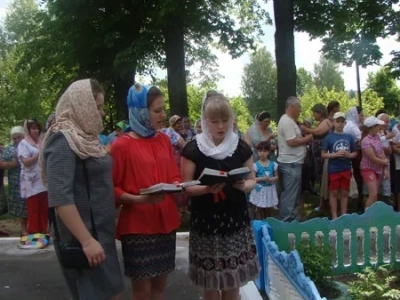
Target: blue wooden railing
282, 275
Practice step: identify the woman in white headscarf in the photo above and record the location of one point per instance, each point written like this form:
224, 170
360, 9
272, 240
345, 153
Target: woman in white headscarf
9, 162
78, 170
222, 250
354, 121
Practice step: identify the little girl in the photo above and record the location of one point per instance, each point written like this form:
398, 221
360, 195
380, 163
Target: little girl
264, 195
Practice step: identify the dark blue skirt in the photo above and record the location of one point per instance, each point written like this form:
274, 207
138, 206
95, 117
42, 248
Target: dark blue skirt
148, 255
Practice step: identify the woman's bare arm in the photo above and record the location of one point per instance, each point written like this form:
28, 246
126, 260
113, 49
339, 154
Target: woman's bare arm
321, 129
29, 161
181, 143
251, 179
187, 172
71, 218
369, 152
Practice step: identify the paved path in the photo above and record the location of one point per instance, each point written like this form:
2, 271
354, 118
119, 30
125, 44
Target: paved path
35, 275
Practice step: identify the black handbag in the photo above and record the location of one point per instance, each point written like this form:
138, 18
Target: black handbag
71, 254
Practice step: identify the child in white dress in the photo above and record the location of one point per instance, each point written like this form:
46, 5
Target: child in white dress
264, 196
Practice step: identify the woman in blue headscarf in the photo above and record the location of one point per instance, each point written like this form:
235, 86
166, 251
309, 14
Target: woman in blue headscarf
147, 223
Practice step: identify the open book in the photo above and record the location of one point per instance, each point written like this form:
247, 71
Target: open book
211, 176
168, 188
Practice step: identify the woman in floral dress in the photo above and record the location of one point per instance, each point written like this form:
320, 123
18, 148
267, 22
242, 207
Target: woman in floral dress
32, 187
16, 205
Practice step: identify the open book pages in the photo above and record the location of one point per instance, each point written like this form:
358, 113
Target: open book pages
241, 173
168, 188
211, 176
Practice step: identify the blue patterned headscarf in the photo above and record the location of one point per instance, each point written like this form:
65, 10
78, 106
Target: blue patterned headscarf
139, 121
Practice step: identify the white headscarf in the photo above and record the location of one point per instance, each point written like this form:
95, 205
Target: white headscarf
17, 130
206, 144
352, 115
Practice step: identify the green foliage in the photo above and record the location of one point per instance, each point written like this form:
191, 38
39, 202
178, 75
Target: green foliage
243, 116
317, 261
196, 94
259, 83
305, 81
371, 101
374, 284
327, 75
23, 93
195, 99
386, 87
349, 29
115, 40
22, 96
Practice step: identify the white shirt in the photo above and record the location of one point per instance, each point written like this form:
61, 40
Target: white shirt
30, 180
352, 129
385, 142
288, 130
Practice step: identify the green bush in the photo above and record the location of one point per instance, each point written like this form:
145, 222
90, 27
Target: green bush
317, 261
374, 284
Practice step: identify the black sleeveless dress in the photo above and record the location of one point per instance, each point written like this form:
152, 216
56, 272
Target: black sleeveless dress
222, 251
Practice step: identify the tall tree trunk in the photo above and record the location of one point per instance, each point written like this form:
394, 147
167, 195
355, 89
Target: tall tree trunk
358, 84
175, 56
122, 83
284, 52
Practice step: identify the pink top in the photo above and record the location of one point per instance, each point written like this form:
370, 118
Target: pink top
374, 142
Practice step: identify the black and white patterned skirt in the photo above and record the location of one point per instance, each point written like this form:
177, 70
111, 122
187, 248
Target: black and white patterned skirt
223, 262
148, 255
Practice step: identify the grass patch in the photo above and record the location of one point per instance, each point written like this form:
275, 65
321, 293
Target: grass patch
6, 217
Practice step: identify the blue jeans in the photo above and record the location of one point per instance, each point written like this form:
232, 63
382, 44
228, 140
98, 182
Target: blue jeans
290, 175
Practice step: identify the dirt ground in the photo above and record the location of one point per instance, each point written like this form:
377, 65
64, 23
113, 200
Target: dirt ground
10, 225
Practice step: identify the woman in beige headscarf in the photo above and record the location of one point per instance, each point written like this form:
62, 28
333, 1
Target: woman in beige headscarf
78, 173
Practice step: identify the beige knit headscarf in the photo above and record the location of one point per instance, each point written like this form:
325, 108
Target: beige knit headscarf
78, 118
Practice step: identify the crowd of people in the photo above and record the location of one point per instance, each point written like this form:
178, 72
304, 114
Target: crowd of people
344, 155
77, 181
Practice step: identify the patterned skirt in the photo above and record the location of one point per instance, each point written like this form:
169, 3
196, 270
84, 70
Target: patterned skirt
148, 255
17, 207
265, 197
223, 262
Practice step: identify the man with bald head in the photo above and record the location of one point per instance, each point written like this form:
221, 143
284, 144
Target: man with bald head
292, 151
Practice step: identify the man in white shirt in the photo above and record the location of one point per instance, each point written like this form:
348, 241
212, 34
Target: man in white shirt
292, 151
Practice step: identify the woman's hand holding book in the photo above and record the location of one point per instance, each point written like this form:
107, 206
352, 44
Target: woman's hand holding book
240, 185
149, 199
216, 188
